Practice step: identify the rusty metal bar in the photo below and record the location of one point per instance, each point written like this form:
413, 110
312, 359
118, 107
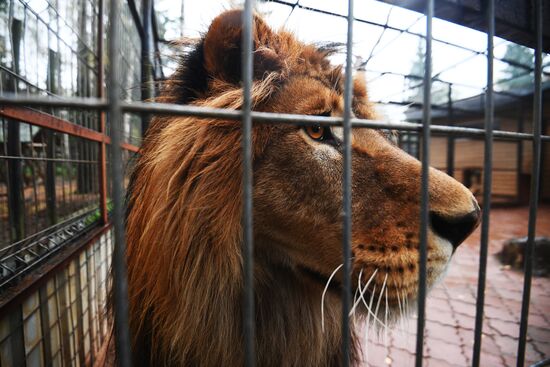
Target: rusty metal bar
38, 118
129, 147
51, 122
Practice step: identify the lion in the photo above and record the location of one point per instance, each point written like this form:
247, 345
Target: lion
184, 231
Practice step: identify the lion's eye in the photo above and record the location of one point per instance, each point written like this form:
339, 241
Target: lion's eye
316, 132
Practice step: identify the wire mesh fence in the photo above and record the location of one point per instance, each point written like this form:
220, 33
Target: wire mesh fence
50, 172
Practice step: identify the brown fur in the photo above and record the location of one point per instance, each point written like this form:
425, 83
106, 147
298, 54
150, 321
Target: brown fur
184, 221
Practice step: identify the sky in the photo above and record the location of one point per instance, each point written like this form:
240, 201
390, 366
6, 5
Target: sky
392, 51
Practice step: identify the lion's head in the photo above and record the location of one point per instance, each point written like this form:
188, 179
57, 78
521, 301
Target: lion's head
184, 221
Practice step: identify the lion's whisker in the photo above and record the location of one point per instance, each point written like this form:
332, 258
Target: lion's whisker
405, 308
362, 291
369, 307
367, 331
386, 321
323, 296
400, 309
380, 298
352, 312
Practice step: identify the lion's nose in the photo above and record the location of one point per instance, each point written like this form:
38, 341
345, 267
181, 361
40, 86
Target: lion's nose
455, 229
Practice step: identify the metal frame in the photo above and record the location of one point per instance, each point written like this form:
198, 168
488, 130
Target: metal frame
487, 182
116, 108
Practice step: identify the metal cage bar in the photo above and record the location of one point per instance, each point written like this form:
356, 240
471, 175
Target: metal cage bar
260, 117
120, 272
346, 182
117, 108
535, 187
246, 137
487, 184
424, 190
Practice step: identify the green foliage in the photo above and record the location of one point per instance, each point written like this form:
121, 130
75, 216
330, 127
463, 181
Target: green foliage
415, 82
514, 77
95, 216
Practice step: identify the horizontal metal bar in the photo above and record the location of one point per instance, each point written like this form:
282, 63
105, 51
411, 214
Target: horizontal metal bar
48, 121
45, 120
90, 103
270, 117
129, 147
43, 159
262, 117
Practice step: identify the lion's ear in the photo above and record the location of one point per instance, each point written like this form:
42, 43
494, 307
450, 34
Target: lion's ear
222, 48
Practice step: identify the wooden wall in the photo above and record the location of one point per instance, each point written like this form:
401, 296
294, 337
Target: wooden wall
509, 183
469, 156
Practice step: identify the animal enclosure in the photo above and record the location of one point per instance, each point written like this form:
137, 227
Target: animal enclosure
77, 84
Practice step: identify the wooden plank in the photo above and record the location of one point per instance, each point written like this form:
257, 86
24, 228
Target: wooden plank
469, 154
438, 153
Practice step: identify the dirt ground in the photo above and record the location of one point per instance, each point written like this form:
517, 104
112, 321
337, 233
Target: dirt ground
450, 313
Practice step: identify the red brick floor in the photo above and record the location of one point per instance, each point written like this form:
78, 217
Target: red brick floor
450, 312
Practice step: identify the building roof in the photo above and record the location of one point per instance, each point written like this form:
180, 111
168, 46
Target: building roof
514, 19
474, 107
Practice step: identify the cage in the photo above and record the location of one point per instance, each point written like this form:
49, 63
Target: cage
73, 111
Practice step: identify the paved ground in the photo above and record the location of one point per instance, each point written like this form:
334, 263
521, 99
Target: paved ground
451, 307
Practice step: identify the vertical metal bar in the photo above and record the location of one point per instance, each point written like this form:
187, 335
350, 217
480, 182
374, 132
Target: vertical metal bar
487, 184
101, 93
535, 183
50, 179
248, 245
519, 151
50, 182
16, 199
120, 272
450, 139
346, 182
15, 194
424, 190
147, 81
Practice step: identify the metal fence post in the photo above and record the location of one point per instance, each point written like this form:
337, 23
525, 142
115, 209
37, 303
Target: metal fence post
346, 190
248, 245
535, 187
147, 80
120, 272
424, 190
102, 122
487, 184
